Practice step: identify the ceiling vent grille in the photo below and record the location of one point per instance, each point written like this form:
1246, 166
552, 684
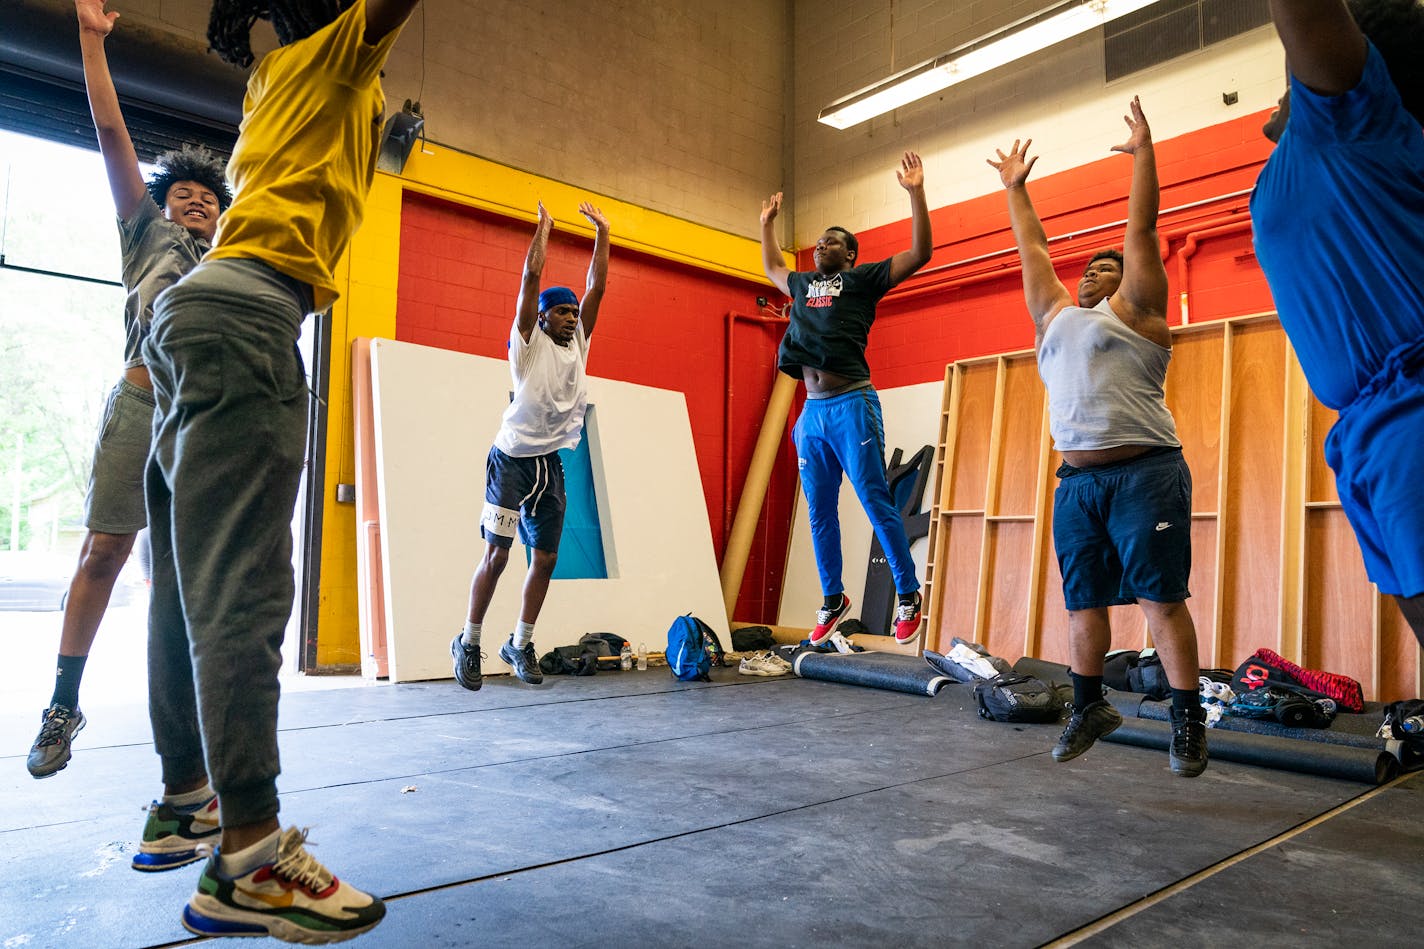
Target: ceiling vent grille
1172, 28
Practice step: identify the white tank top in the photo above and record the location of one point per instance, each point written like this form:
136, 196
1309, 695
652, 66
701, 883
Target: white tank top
1105, 382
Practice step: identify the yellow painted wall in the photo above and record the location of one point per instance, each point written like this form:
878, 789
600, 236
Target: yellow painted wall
367, 308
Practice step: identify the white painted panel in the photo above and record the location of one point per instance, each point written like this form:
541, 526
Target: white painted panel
911, 422
437, 413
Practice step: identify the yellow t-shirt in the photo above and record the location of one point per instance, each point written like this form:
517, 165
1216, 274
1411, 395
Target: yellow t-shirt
306, 153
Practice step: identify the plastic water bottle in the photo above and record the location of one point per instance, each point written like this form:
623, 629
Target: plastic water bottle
1413, 725
642, 657
625, 658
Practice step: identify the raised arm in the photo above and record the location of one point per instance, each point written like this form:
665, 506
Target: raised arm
771, 260
1144, 276
1324, 48
526, 313
120, 160
382, 16
597, 269
912, 178
1043, 291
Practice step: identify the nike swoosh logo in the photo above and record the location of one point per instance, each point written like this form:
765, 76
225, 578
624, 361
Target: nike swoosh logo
277, 901
866, 442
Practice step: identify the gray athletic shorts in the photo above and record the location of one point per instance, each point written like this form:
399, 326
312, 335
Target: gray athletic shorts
114, 504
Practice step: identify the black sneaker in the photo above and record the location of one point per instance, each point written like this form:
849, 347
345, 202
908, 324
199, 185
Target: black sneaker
50, 753
1084, 728
525, 663
1188, 751
467, 663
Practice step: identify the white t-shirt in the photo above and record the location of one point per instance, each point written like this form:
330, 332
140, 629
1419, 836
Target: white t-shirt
550, 394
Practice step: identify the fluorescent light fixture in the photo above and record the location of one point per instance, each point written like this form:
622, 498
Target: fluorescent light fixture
1015, 41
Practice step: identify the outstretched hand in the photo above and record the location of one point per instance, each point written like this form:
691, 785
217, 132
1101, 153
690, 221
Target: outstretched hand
1139, 133
1014, 167
93, 18
911, 172
770, 207
594, 216
546, 220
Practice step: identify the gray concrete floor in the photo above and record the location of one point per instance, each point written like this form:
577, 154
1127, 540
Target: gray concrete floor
630, 809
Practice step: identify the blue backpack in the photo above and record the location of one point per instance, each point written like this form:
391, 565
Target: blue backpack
693, 649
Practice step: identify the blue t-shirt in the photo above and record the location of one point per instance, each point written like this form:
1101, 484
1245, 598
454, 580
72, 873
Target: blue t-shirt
1338, 213
830, 320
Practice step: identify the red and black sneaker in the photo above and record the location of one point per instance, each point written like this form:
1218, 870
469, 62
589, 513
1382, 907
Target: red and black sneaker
907, 620
826, 621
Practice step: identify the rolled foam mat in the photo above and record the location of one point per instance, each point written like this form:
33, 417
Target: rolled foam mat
876, 670
1371, 766
1054, 673
1340, 732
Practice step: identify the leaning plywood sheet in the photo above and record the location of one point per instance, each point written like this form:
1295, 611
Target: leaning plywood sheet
436, 415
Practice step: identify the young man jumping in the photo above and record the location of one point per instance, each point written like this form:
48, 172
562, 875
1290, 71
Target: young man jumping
1122, 510
165, 227
1338, 214
841, 428
524, 478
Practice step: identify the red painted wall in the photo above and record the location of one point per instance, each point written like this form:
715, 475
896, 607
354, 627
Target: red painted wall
667, 325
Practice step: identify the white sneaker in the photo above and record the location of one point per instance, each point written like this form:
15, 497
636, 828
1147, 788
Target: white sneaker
763, 664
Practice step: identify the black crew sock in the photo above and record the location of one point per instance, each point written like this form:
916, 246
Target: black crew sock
66, 681
906, 598
1184, 700
833, 602
1086, 690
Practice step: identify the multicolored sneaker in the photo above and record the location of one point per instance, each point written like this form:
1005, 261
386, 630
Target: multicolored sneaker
177, 836
907, 619
51, 751
826, 621
294, 898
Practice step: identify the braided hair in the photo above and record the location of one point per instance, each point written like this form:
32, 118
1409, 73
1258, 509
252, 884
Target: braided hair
230, 23
1396, 27
189, 163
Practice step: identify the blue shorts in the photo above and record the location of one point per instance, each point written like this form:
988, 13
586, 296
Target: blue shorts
527, 493
1376, 450
1123, 531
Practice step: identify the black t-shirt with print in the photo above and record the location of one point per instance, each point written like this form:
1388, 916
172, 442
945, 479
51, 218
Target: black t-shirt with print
830, 320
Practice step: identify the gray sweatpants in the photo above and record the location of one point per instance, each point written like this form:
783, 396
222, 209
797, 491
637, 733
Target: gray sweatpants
229, 435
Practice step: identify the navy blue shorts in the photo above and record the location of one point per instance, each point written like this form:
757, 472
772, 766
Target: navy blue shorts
1123, 531
527, 493
1375, 450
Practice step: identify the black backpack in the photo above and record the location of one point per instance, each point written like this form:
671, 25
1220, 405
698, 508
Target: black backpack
575, 660
1128, 670
1014, 697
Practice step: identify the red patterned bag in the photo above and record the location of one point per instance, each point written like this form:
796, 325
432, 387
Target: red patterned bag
1269, 668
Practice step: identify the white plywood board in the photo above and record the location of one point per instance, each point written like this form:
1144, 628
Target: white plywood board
911, 421
437, 413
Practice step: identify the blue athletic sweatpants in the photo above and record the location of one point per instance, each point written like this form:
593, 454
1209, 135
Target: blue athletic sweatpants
846, 433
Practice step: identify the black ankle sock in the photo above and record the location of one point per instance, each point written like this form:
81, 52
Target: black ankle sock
1184, 700
906, 598
1086, 690
833, 602
66, 681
